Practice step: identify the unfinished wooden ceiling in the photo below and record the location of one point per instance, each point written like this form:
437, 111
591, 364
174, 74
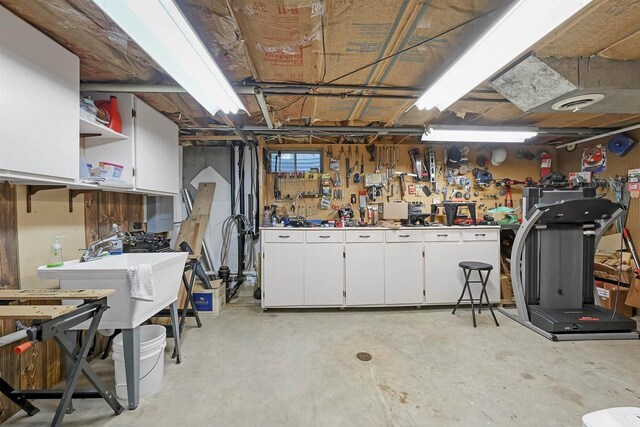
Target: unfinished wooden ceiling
338, 42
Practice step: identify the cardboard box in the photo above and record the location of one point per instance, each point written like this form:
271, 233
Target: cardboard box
612, 297
210, 300
204, 299
633, 297
605, 271
395, 210
506, 290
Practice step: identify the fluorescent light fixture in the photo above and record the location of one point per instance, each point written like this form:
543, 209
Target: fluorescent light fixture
161, 29
490, 134
519, 28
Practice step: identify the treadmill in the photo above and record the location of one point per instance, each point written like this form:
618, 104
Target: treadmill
552, 266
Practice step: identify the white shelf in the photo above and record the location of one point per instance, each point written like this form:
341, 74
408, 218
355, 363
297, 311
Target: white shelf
104, 133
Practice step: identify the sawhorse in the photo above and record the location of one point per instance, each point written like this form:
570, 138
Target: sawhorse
56, 322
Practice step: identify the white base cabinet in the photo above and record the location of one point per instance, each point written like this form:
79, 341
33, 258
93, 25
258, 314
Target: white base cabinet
364, 284
444, 250
373, 267
323, 274
404, 273
443, 276
283, 268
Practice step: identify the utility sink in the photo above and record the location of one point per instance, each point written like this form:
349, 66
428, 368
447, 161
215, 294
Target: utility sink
110, 272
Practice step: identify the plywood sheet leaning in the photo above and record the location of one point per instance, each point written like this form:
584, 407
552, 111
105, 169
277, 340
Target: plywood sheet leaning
193, 228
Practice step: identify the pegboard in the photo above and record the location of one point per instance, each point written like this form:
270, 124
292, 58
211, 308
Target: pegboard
517, 169
571, 162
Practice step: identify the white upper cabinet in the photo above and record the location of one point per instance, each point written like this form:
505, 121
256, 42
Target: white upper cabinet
150, 156
156, 151
39, 113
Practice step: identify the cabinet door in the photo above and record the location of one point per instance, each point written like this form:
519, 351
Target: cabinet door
404, 273
484, 252
443, 277
364, 274
323, 274
39, 112
156, 151
283, 274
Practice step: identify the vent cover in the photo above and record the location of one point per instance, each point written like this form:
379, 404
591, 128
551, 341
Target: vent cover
576, 103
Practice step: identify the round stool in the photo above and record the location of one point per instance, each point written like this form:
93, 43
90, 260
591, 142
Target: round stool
467, 268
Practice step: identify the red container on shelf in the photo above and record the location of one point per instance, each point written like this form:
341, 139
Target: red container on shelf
111, 106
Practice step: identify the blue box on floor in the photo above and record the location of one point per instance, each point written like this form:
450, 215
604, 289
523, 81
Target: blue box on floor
204, 300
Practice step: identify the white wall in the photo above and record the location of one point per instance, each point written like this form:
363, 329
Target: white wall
49, 217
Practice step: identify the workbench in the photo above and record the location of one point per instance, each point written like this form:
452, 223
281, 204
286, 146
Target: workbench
57, 322
373, 266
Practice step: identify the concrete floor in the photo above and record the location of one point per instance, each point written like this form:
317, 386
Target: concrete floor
292, 368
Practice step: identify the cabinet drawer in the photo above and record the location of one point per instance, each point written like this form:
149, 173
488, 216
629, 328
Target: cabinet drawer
479, 235
284, 236
441, 235
403, 235
325, 236
365, 236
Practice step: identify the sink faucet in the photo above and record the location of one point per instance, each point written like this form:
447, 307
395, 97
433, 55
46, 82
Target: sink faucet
96, 248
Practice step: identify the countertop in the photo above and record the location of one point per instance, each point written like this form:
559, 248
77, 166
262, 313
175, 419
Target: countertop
439, 227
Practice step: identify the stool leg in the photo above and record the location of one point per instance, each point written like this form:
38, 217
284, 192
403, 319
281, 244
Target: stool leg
464, 287
481, 292
173, 308
473, 309
486, 295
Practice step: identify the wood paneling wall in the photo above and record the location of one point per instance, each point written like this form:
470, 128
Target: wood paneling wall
42, 366
9, 279
103, 209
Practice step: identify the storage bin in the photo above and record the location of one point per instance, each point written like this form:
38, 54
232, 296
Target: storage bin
609, 292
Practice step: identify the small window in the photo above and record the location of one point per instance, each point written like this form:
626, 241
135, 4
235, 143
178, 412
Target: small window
296, 161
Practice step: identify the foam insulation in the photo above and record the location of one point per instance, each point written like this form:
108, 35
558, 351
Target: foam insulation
531, 83
220, 33
107, 53
601, 25
376, 32
626, 49
317, 41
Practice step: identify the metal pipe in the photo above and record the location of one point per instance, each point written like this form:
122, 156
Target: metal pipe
249, 88
241, 230
368, 130
267, 86
232, 178
602, 135
242, 89
263, 107
133, 88
13, 337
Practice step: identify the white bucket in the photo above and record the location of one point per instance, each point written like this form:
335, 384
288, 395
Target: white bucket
153, 339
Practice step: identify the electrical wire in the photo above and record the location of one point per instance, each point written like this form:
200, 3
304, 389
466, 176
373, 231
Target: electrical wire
425, 41
227, 228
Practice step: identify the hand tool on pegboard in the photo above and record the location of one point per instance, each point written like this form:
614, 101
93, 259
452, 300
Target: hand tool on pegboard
432, 169
276, 177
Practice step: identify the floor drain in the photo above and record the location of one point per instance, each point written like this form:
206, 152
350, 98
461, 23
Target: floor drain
365, 357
